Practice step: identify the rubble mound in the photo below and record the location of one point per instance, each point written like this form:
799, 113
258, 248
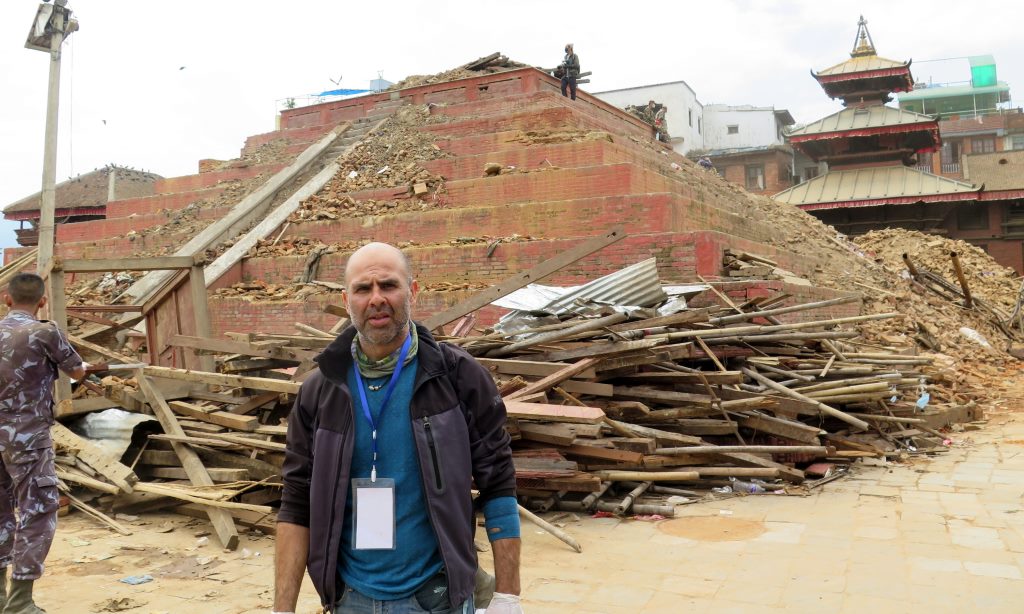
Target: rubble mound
484, 66
987, 278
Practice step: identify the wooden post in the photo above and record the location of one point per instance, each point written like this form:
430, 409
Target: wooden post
910, 266
222, 521
960, 277
200, 311
59, 315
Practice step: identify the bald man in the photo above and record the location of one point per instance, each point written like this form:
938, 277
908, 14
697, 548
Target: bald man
385, 442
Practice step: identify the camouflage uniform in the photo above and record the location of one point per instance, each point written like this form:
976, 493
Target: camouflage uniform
31, 351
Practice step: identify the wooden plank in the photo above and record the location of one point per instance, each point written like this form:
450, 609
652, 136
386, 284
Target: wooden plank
604, 350
254, 403
85, 405
221, 520
159, 458
780, 427
689, 316
521, 280
266, 523
219, 397
224, 346
217, 474
222, 418
582, 326
609, 454
76, 309
664, 396
553, 413
252, 442
94, 456
713, 378
705, 426
783, 404
258, 469
106, 265
663, 438
789, 474
508, 366
234, 367
555, 378
556, 434
220, 379
596, 389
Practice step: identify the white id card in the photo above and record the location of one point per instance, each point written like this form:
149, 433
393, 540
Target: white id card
373, 505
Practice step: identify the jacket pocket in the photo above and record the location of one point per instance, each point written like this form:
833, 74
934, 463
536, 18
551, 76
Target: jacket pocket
434, 450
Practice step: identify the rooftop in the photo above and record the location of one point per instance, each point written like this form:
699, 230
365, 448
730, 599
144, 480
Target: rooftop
880, 185
878, 116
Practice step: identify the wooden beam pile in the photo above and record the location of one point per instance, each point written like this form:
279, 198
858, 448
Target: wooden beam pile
220, 445
615, 412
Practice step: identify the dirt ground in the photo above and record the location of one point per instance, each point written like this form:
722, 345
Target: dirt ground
943, 534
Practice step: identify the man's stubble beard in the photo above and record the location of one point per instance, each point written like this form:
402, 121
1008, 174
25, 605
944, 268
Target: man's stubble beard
384, 336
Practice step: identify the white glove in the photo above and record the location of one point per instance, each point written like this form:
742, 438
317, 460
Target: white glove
503, 603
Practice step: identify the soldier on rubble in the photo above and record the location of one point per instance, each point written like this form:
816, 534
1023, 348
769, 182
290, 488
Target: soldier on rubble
661, 124
570, 70
31, 351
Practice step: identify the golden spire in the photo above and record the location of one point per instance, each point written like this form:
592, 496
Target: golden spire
863, 45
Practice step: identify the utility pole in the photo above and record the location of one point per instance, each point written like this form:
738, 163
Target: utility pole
51, 26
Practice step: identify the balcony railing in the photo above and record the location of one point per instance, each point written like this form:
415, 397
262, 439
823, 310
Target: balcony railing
950, 167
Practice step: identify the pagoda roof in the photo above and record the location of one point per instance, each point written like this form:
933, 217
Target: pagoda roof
876, 186
855, 68
863, 121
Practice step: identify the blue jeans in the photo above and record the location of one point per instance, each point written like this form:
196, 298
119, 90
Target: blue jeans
354, 602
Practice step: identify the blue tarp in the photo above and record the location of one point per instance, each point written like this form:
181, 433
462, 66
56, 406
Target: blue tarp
341, 92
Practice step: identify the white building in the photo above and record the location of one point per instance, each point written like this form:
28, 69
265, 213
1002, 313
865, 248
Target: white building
743, 126
684, 114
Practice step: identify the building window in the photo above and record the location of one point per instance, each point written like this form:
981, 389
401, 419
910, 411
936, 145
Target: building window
1017, 141
951, 156
924, 161
700, 130
734, 129
810, 172
689, 117
972, 217
755, 177
983, 144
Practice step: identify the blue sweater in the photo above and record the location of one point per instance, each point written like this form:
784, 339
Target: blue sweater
390, 574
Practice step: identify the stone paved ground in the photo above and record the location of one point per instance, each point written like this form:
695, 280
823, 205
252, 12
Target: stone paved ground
940, 535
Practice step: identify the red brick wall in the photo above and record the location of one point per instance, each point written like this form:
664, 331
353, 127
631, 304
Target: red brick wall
159, 202
205, 180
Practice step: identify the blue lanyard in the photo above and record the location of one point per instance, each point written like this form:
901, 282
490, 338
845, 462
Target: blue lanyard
387, 397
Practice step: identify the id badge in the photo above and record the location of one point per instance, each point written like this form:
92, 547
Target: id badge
373, 506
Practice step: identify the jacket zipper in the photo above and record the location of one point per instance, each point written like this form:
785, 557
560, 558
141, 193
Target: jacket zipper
434, 460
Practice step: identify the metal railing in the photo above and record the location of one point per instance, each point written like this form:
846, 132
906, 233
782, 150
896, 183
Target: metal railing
950, 167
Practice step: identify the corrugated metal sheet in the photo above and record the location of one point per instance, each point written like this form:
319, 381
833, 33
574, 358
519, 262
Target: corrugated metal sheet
879, 116
634, 286
861, 64
868, 184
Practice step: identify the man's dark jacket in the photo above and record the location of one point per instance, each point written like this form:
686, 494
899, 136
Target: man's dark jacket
458, 423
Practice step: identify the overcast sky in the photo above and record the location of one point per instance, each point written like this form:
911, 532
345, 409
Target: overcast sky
159, 85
